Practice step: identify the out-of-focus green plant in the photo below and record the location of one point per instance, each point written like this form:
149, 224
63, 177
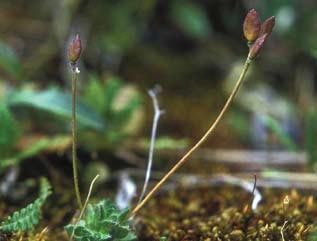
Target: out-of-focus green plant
165, 142
52, 101
16, 156
276, 128
310, 138
9, 131
56, 102
191, 18
102, 222
116, 103
9, 62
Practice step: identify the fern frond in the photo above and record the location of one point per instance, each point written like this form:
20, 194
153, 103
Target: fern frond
26, 218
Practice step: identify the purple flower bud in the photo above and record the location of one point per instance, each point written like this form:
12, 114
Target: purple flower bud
251, 26
257, 46
74, 49
267, 26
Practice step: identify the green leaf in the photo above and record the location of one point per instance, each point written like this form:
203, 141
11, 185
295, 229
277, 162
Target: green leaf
277, 129
9, 61
310, 138
191, 18
102, 223
27, 217
43, 144
94, 94
58, 103
9, 131
123, 215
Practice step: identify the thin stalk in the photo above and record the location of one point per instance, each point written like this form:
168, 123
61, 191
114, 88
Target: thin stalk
74, 137
157, 113
202, 139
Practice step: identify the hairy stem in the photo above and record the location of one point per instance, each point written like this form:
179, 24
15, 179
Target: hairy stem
74, 137
202, 139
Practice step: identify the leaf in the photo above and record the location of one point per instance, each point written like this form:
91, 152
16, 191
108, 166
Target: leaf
28, 217
43, 144
9, 131
58, 103
102, 222
278, 130
94, 94
9, 61
191, 18
310, 138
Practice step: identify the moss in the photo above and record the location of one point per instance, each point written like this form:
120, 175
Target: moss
218, 214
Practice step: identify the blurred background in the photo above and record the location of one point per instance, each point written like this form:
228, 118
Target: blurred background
194, 50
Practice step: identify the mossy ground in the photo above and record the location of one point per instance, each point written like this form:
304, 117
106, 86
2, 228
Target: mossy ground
204, 213
220, 213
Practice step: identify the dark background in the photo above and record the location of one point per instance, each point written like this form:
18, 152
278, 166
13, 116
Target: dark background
192, 49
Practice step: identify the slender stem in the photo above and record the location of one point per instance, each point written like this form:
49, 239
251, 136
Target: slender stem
202, 139
74, 137
157, 113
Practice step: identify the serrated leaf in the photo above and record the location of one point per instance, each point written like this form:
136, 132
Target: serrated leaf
81, 231
120, 232
102, 225
69, 229
123, 215
58, 103
27, 217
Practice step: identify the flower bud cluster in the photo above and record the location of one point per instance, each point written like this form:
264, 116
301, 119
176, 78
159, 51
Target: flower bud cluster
255, 33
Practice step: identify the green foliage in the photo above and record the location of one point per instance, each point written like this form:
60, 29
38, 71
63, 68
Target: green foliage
123, 23
165, 142
310, 138
102, 222
43, 144
107, 100
277, 129
27, 217
9, 131
9, 61
56, 102
191, 18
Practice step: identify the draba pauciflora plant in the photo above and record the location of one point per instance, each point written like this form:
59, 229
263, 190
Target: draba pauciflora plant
256, 35
74, 51
26, 218
102, 222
